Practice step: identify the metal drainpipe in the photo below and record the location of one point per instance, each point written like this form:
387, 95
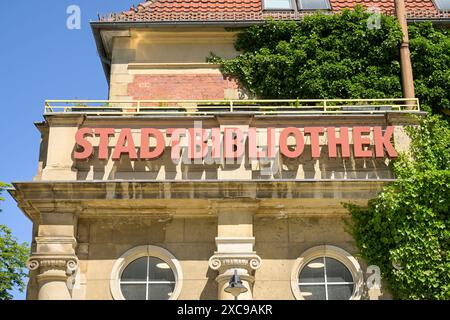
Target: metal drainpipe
405, 55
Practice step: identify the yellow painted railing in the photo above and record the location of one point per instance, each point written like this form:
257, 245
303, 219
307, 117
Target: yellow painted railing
214, 107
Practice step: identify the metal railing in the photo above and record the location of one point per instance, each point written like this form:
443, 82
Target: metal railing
216, 107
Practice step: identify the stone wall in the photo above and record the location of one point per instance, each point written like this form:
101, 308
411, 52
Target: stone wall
171, 64
278, 242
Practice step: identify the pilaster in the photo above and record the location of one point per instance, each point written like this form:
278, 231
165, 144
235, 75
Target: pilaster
235, 244
54, 260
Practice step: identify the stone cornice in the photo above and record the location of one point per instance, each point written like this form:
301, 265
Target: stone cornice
191, 198
213, 189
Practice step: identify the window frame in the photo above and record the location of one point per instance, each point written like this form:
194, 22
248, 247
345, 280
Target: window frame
300, 6
296, 5
291, 2
329, 251
439, 9
139, 252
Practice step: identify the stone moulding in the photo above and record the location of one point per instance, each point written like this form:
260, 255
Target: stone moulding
152, 198
110, 190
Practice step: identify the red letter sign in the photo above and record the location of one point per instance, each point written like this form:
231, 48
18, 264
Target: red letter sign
342, 140
384, 141
104, 141
300, 142
253, 151
176, 137
315, 142
233, 140
359, 142
86, 145
198, 145
125, 144
145, 142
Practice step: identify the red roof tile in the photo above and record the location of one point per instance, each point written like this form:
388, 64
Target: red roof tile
414, 8
250, 10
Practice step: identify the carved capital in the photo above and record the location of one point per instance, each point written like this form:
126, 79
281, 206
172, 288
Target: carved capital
46, 263
223, 262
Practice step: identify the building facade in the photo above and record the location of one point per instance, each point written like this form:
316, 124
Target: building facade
181, 179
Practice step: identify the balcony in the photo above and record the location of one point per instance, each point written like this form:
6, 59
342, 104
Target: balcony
186, 108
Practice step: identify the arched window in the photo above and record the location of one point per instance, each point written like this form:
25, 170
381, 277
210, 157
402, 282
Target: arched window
326, 273
146, 273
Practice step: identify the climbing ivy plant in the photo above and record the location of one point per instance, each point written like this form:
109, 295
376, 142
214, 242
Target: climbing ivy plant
406, 229
339, 56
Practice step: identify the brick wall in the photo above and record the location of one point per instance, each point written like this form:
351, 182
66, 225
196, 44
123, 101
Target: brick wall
181, 86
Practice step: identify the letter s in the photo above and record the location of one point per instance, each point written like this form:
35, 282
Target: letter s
82, 142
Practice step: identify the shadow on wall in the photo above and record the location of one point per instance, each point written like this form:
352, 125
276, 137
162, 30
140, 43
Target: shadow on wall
210, 290
304, 167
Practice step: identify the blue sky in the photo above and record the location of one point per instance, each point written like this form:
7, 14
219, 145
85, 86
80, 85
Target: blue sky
42, 59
